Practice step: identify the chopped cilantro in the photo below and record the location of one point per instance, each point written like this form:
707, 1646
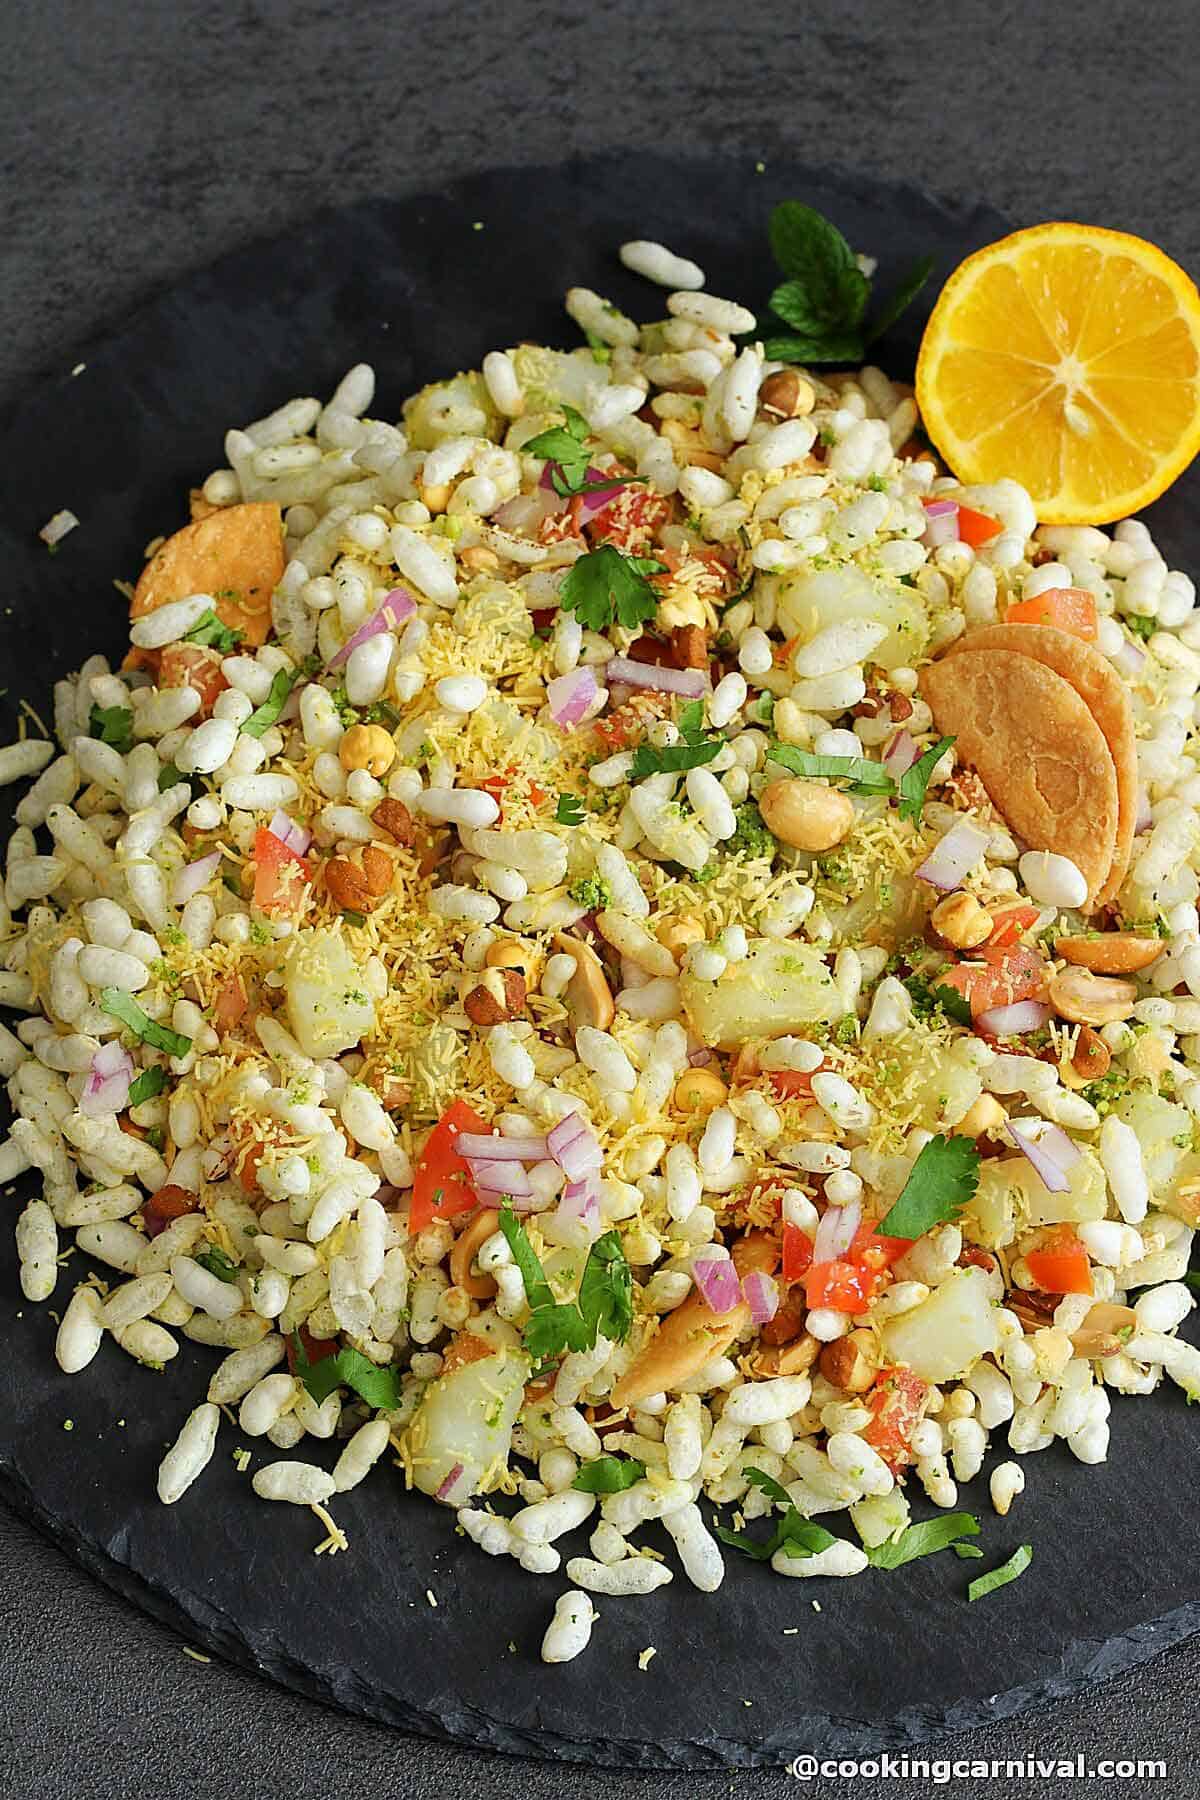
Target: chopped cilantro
217, 1263
864, 776
264, 716
609, 1475
943, 1179
793, 1534
120, 1005
146, 1085
673, 758
591, 891
1140, 625
112, 725
564, 447
925, 1539
931, 996
604, 588
568, 810
156, 1137
605, 1302
914, 781
209, 630
380, 1388
1016, 1565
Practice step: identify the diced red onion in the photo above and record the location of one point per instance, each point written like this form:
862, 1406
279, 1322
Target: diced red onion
900, 754
1052, 1154
289, 833
835, 1232
942, 523
762, 1296
193, 876
1013, 1021
1129, 659
717, 1280
484, 1148
954, 856
700, 1058
692, 683
444, 1491
574, 1148
499, 1177
388, 615
571, 695
1145, 814
580, 1203
106, 1089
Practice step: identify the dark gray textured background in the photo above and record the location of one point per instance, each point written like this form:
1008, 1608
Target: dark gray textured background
138, 144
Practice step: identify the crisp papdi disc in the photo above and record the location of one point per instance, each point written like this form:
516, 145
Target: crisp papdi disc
1107, 699
235, 554
1037, 749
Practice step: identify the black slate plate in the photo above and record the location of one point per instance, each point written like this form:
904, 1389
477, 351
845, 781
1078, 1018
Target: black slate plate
417, 288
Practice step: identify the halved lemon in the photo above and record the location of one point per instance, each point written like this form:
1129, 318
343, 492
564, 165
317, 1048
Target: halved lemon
1068, 357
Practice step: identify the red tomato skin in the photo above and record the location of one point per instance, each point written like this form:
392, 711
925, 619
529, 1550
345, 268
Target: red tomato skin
196, 666
1068, 609
1010, 924
791, 1084
279, 874
896, 1401
844, 1286
1061, 1266
797, 1253
630, 521
1009, 975
976, 528
440, 1166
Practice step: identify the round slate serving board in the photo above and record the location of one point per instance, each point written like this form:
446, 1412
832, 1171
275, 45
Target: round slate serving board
420, 287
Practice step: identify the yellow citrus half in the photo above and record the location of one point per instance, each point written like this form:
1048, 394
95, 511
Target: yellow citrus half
1068, 357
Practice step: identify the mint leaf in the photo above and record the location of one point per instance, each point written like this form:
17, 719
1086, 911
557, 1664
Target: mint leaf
264, 716
914, 781
604, 588
217, 1263
943, 1179
911, 283
835, 347
925, 1539
1016, 1565
380, 1388
790, 300
810, 248
609, 1475
120, 1005
209, 630
864, 776
672, 758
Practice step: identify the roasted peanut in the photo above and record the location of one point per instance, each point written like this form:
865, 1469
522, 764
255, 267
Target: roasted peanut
789, 1319
346, 885
693, 1333
961, 921
587, 997
698, 1091
476, 1234
1116, 953
368, 747
393, 1091
479, 559
1089, 1060
806, 814
985, 1115
676, 934
1105, 1330
851, 1363
377, 870
787, 394
1087, 999
494, 996
515, 953
786, 1359
394, 817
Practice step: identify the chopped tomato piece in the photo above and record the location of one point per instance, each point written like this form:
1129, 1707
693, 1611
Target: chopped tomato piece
876, 1252
791, 1084
895, 1401
976, 528
168, 1203
195, 666
1068, 609
557, 527
1005, 977
797, 1252
315, 1348
845, 1286
1008, 925
279, 874
442, 1186
496, 784
1061, 1266
631, 519
229, 1005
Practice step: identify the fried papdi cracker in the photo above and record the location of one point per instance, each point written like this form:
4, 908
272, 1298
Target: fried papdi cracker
236, 555
1037, 749
1103, 693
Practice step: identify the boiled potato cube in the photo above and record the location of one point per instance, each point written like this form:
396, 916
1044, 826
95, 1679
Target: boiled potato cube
944, 1336
778, 988
328, 1007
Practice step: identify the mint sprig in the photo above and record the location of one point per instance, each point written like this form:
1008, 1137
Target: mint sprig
826, 297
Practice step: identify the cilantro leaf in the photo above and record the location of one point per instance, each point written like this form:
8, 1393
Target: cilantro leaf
209, 630
606, 1290
672, 758
112, 725
264, 716
609, 1475
865, 777
146, 1085
914, 781
217, 1263
811, 250
966, 1550
934, 996
691, 721
569, 810
943, 1179
380, 1388
1016, 1565
925, 1539
604, 588
902, 297
537, 1288
553, 1329
120, 1005
169, 776
793, 1534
